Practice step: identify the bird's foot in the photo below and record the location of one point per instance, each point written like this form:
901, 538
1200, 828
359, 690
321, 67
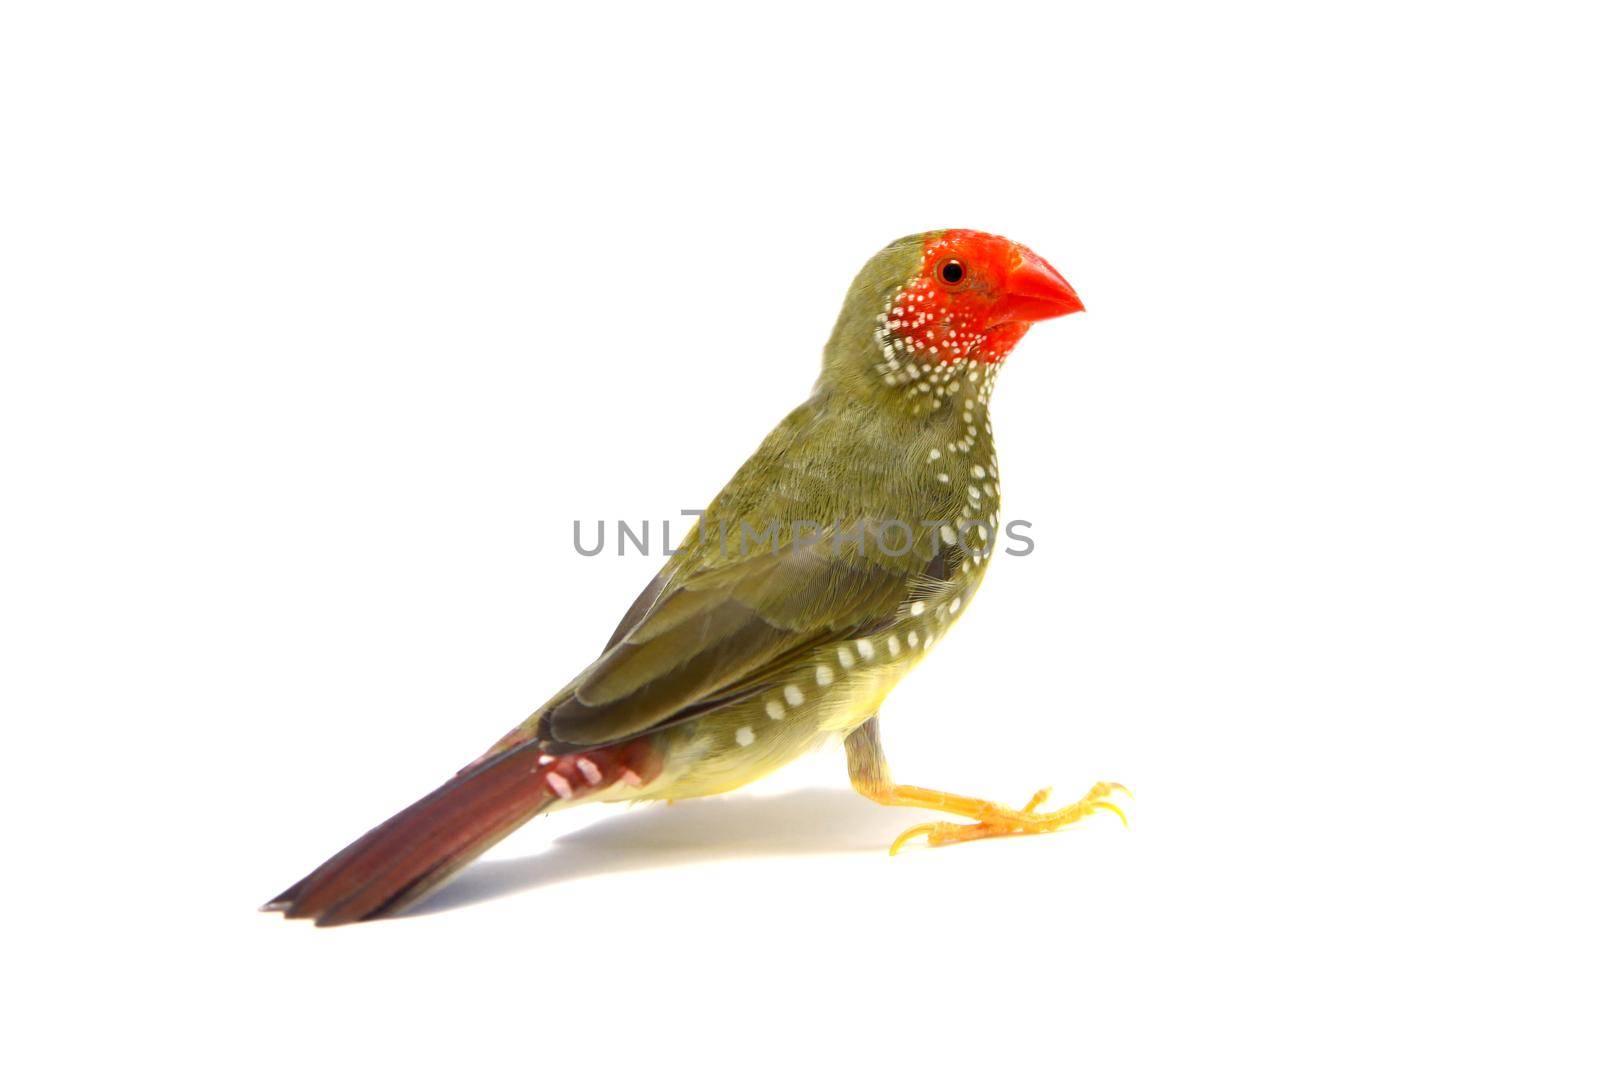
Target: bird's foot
995, 820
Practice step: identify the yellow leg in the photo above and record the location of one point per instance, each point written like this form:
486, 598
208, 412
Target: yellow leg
869, 773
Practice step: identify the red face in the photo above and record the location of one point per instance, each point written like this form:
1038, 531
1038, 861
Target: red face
975, 296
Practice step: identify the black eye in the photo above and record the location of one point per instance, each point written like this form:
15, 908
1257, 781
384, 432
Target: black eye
952, 272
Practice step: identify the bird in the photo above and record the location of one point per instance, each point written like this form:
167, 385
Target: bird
838, 555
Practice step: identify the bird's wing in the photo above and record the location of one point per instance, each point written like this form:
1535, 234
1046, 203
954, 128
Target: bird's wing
716, 634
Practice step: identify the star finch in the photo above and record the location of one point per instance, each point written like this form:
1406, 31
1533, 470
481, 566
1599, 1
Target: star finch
838, 555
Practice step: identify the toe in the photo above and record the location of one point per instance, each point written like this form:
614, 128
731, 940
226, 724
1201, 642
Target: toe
1038, 798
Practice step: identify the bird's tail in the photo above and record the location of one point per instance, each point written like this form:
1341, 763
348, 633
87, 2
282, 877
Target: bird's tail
416, 851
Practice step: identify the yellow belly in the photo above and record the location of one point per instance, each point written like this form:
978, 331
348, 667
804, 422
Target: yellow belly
828, 695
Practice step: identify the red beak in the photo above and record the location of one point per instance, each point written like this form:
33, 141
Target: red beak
1033, 291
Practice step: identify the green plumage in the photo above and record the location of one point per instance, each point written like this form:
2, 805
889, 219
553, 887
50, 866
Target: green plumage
749, 608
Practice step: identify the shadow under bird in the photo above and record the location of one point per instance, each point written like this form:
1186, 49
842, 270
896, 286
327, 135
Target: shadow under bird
838, 555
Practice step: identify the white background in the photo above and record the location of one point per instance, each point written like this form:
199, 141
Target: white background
322, 322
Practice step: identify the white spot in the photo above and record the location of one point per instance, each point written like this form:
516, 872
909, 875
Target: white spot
631, 778
978, 471
775, 709
587, 768
918, 607
847, 659
947, 534
864, 647
824, 675
933, 454
943, 477
745, 736
955, 605
894, 645
792, 694
562, 787
913, 639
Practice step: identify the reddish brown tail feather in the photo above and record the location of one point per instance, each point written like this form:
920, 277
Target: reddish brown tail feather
399, 861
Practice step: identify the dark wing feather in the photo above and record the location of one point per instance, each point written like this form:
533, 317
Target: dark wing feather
641, 605
714, 636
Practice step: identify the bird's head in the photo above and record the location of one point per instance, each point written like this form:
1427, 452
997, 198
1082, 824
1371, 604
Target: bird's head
929, 303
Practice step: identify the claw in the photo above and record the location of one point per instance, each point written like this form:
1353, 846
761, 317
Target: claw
921, 828
1106, 805
1038, 798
